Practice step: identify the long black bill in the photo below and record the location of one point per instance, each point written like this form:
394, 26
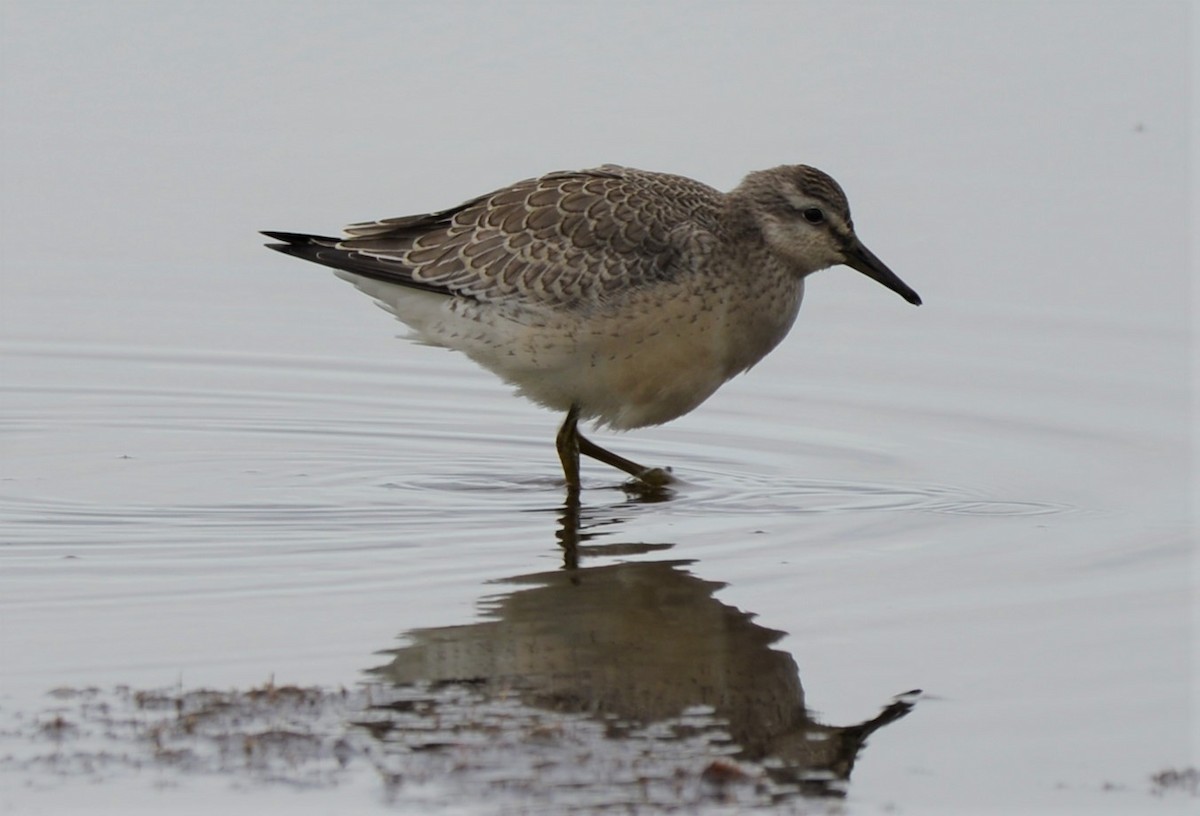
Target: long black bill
864, 260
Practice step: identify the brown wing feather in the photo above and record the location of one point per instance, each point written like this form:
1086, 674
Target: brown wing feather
561, 239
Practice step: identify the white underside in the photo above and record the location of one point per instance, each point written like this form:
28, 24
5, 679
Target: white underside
654, 359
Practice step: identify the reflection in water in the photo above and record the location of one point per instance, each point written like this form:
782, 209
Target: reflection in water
642, 642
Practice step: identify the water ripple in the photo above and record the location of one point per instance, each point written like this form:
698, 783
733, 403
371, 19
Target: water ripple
188, 445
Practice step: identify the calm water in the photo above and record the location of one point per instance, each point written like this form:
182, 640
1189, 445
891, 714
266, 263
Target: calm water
228, 492
955, 499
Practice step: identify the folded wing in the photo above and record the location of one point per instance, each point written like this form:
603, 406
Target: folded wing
565, 239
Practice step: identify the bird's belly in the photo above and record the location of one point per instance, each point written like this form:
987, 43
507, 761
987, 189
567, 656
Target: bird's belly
652, 381
651, 358
645, 364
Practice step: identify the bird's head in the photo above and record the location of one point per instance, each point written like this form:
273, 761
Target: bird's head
804, 217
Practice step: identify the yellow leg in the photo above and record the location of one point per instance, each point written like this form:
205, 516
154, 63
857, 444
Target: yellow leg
571, 443
567, 442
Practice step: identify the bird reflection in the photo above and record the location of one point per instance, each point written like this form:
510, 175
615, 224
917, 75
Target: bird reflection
643, 642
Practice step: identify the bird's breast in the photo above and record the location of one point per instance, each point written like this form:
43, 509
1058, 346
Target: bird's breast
660, 354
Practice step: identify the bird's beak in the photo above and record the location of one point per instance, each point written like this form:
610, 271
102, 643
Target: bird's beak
864, 260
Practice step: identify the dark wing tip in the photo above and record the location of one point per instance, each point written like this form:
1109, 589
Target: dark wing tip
327, 252
299, 244
296, 237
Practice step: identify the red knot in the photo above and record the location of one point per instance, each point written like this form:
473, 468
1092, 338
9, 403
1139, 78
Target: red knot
616, 295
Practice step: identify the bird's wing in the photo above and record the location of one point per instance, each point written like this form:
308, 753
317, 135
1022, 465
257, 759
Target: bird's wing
565, 239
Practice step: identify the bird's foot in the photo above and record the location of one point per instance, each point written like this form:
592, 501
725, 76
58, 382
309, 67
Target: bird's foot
651, 484
655, 477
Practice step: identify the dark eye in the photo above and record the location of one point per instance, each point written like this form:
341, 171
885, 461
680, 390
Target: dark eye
813, 215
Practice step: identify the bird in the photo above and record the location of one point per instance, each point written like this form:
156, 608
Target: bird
612, 294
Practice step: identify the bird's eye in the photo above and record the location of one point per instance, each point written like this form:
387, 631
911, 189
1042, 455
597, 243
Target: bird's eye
813, 215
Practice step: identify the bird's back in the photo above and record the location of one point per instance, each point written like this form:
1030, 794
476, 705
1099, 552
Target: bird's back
568, 239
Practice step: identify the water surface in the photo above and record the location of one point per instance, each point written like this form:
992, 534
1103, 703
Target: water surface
257, 554
329, 505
